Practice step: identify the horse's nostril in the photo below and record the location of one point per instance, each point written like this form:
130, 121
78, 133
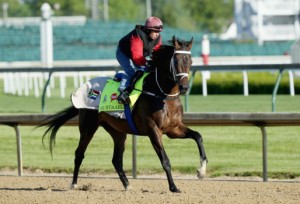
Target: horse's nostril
184, 89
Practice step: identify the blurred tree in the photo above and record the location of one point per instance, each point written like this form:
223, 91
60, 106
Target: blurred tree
212, 16
15, 8
60, 7
194, 15
173, 13
132, 10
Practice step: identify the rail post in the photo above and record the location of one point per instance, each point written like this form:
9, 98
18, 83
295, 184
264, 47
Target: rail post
19, 149
186, 97
276, 89
44, 91
205, 55
264, 153
46, 36
134, 156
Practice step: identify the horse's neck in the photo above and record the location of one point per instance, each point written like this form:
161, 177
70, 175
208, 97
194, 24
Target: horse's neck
166, 83
163, 76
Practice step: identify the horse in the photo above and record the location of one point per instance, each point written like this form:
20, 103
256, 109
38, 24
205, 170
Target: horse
157, 112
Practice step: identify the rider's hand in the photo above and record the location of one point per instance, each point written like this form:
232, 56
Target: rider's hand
149, 63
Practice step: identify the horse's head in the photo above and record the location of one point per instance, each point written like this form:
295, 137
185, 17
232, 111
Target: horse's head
181, 63
173, 64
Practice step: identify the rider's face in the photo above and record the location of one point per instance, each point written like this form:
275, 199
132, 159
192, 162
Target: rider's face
154, 35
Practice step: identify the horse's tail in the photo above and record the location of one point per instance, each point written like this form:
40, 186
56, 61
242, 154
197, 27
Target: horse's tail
55, 122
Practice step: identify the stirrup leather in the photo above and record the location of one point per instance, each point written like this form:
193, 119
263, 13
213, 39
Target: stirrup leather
123, 98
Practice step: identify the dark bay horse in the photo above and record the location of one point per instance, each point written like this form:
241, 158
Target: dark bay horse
158, 111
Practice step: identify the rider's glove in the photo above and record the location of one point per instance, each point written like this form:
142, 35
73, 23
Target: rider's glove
149, 63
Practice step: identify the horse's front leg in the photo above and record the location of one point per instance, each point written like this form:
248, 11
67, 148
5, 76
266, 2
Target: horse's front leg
156, 141
201, 172
184, 132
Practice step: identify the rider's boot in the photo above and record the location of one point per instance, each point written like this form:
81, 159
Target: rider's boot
137, 75
123, 98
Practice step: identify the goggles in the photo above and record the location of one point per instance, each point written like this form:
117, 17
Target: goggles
156, 28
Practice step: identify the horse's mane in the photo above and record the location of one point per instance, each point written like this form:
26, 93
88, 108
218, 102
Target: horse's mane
163, 53
182, 43
168, 49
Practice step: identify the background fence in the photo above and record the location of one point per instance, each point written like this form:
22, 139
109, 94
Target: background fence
22, 82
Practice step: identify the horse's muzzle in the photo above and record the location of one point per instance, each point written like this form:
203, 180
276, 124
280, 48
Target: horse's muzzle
184, 89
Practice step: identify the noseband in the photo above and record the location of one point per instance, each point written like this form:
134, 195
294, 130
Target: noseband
174, 72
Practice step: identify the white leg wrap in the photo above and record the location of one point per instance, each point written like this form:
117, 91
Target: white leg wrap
202, 170
129, 188
73, 186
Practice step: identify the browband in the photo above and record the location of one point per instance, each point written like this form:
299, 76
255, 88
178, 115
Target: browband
182, 52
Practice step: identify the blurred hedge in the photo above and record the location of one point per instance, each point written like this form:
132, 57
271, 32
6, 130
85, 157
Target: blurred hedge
232, 83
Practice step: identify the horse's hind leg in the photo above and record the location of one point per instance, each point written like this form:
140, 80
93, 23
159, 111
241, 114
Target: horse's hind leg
119, 139
88, 125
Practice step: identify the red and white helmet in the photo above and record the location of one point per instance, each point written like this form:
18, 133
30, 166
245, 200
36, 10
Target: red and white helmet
154, 23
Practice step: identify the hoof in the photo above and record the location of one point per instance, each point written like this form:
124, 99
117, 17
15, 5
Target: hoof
200, 174
175, 190
129, 188
73, 186
202, 170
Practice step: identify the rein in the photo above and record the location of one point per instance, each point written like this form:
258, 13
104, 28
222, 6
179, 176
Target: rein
172, 69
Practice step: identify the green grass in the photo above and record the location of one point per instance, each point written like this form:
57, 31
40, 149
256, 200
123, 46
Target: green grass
240, 103
197, 103
261, 82
230, 150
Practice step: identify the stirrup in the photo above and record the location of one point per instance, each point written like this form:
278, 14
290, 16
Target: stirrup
123, 98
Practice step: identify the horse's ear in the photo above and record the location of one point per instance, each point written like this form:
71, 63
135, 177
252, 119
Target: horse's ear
173, 39
175, 42
191, 43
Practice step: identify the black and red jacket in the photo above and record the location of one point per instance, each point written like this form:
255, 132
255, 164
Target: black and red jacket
137, 45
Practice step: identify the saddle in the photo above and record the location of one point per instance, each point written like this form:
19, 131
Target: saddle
101, 94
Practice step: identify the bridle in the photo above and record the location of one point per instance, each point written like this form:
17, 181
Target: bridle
174, 72
172, 66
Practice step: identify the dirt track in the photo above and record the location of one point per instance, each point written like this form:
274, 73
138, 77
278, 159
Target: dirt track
55, 189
